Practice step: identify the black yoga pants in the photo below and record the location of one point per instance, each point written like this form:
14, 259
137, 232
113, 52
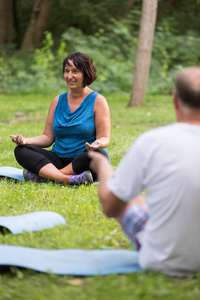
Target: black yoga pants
34, 158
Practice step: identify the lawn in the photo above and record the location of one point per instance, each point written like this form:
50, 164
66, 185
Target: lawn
86, 228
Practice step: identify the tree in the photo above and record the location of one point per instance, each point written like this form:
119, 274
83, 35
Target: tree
143, 59
38, 24
6, 21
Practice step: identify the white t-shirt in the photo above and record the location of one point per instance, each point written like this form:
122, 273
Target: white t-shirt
166, 163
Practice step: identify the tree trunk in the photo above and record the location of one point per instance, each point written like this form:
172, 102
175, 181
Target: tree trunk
38, 24
143, 59
6, 21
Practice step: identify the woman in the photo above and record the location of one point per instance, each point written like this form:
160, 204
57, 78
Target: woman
77, 121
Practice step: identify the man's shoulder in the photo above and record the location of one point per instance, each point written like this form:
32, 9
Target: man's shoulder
159, 132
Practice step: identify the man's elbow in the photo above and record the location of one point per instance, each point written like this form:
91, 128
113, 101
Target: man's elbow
108, 211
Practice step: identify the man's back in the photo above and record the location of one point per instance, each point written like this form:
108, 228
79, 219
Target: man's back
171, 176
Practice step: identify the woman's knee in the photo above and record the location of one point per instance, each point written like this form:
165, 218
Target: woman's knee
102, 151
24, 154
18, 151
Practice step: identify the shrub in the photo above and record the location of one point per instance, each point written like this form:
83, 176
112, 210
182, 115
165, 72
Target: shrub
113, 52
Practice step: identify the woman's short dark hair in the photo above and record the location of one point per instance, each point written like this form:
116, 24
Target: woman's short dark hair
83, 63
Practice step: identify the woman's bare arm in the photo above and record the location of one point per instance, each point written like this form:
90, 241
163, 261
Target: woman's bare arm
102, 124
44, 140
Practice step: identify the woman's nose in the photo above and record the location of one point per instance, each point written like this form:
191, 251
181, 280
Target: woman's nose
70, 75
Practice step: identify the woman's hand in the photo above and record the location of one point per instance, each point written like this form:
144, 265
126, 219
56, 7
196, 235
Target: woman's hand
95, 145
18, 139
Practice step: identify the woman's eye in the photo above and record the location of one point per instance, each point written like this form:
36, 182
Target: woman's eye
73, 71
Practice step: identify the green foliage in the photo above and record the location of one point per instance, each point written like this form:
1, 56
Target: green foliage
183, 16
87, 15
90, 15
44, 71
176, 44
100, 29
113, 51
171, 53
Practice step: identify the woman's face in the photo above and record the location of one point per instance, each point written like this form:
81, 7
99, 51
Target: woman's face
73, 76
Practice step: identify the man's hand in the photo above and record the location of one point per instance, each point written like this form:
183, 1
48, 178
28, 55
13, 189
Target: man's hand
98, 160
112, 206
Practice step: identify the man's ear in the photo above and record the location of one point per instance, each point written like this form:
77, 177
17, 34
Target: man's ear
176, 101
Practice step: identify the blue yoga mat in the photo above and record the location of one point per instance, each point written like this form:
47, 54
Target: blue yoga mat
71, 261
34, 221
11, 172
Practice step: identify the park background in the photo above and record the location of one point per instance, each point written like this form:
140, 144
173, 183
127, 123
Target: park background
31, 56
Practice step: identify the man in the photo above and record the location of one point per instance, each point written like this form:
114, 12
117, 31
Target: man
165, 162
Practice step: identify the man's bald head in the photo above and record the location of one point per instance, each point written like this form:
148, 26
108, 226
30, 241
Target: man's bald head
187, 87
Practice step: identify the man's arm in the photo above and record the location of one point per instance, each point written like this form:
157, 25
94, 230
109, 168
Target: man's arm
112, 206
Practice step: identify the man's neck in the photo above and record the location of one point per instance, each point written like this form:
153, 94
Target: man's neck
190, 120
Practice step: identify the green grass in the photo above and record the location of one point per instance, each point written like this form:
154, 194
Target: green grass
87, 227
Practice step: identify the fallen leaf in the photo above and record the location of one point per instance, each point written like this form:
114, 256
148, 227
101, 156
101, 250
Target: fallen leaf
75, 282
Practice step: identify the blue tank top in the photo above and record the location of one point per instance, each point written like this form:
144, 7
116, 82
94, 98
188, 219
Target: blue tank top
73, 129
